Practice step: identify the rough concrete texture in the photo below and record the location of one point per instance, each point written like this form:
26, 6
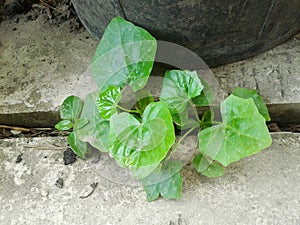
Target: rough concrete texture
40, 64
262, 189
276, 76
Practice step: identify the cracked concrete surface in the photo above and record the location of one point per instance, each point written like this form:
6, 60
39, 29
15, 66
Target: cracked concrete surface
261, 189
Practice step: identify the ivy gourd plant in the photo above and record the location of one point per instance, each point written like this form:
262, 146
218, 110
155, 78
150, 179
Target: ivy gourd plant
142, 138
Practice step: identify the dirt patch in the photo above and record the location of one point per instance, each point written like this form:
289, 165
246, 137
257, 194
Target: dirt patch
54, 12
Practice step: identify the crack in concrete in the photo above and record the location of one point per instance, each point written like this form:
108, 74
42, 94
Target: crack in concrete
281, 82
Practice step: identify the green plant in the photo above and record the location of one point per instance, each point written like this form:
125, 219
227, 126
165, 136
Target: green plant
142, 138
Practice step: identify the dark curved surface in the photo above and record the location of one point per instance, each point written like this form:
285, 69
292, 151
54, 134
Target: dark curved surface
218, 31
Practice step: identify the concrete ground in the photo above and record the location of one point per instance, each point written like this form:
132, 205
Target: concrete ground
40, 65
262, 189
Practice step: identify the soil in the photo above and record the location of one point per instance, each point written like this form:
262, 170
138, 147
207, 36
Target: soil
18, 11
54, 12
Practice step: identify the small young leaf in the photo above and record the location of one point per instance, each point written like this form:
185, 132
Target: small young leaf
107, 102
259, 102
64, 125
206, 168
71, 108
165, 181
96, 131
206, 97
183, 121
207, 119
125, 54
208, 116
179, 87
78, 147
145, 144
242, 133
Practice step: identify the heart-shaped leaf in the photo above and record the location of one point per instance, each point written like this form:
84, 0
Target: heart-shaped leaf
136, 136
107, 102
259, 102
79, 147
242, 133
125, 54
71, 108
165, 181
142, 145
96, 130
179, 87
206, 168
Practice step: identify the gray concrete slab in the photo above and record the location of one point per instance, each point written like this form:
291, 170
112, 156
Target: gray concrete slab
42, 64
262, 189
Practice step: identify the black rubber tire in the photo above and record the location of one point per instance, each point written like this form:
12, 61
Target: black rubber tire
218, 31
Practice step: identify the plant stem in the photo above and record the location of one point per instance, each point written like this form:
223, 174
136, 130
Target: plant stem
179, 141
194, 110
129, 110
212, 122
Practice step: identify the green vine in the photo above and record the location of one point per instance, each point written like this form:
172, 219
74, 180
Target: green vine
142, 138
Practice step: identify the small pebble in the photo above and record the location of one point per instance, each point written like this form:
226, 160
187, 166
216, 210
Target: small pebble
59, 183
15, 132
69, 157
19, 158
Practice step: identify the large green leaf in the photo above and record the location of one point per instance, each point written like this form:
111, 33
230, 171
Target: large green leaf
125, 54
165, 181
242, 133
142, 146
78, 147
179, 87
96, 130
259, 102
71, 108
107, 102
206, 168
